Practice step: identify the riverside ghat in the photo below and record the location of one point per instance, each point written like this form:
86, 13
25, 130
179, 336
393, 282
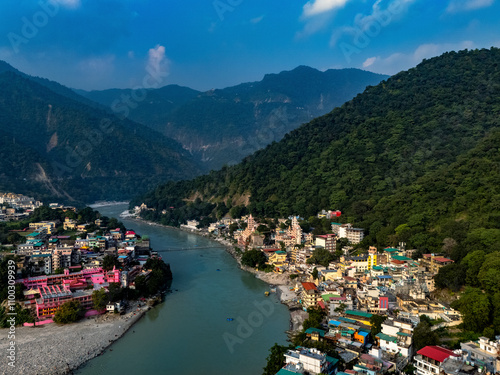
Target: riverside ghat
190, 330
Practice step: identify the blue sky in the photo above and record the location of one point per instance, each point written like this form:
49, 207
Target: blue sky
204, 44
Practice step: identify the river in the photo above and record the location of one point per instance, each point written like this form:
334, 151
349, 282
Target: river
189, 332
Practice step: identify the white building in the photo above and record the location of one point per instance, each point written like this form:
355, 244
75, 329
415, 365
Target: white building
483, 352
191, 224
430, 358
354, 235
396, 337
311, 360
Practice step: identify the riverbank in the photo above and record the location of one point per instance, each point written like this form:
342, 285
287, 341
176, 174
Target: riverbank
59, 349
283, 281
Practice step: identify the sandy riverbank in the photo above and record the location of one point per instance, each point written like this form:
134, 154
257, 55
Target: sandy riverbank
55, 350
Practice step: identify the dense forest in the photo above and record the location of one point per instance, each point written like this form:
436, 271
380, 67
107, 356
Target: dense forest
53, 146
222, 126
413, 159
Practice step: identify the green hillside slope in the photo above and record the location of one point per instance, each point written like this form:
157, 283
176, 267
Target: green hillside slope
395, 159
55, 147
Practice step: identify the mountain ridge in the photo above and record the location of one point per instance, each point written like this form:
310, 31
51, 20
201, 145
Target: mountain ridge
221, 126
369, 157
58, 147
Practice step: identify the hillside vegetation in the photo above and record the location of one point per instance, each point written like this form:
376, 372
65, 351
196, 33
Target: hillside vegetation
412, 159
52, 146
222, 126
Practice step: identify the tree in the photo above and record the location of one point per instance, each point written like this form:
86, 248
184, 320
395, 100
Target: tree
275, 359
451, 276
115, 292
340, 244
489, 332
341, 307
495, 304
489, 274
321, 256
376, 323
109, 261
475, 308
423, 335
473, 262
68, 312
315, 318
253, 258
14, 238
140, 284
100, 299
314, 273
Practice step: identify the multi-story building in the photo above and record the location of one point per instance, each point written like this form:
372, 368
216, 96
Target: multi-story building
62, 257
51, 297
309, 295
396, 337
49, 226
310, 360
328, 241
354, 235
41, 281
277, 258
484, 352
41, 263
433, 263
372, 257
430, 358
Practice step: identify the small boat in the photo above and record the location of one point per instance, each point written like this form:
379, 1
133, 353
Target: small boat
229, 319
267, 294
218, 269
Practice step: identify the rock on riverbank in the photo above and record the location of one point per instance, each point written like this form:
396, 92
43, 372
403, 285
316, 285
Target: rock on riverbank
55, 350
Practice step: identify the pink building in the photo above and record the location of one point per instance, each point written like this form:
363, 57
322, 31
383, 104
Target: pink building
41, 281
52, 296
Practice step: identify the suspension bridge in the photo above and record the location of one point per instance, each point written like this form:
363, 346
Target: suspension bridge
171, 249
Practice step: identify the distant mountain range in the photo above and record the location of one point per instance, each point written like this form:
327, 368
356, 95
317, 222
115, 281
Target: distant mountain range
52, 145
72, 145
221, 127
414, 159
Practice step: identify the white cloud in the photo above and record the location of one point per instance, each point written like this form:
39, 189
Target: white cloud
157, 60
314, 25
377, 19
402, 61
257, 19
369, 61
467, 5
315, 7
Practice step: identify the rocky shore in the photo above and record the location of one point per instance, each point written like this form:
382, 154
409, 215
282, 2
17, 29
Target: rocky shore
59, 349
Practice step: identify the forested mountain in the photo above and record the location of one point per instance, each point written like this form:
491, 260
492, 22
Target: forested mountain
54, 146
414, 159
222, 126
153, 111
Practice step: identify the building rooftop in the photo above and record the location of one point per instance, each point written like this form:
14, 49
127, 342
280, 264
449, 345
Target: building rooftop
309, 286
436, 353
400, 257
359, 313
390, 250
386, 337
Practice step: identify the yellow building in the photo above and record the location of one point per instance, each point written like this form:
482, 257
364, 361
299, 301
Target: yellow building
278, 258
49, 226
309, 295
